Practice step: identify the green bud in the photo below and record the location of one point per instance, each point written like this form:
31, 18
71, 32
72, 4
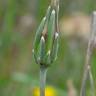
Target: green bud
46, 39
51, 30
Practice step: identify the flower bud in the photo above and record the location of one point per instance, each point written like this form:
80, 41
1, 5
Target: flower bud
46, 40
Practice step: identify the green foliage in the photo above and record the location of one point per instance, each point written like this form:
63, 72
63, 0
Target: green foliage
16, 55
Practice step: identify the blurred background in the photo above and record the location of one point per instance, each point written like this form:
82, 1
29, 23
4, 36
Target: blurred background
19, 74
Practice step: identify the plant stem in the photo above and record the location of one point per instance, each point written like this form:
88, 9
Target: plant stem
86, 69
89, 55
91, 83
43, 71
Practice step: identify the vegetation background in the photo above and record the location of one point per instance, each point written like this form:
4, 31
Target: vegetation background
19, 74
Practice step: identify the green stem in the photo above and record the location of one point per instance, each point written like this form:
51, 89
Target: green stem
91, 83
43, 71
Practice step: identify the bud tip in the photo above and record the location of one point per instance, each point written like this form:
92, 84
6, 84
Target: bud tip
49, 7
49, 52
32, 50
56, 35
44, 18
42, 38
53, 11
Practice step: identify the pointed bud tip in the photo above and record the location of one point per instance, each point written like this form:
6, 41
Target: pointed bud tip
49, 52
56, 35
49, 7
42, 38
44, 18
53, 11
